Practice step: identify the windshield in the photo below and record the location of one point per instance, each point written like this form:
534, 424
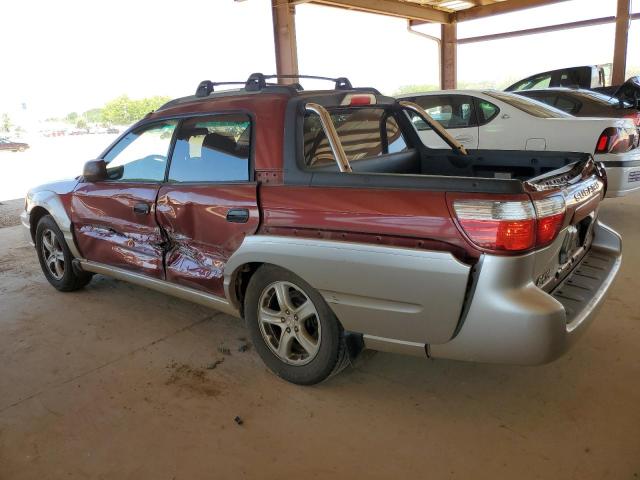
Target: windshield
527, 105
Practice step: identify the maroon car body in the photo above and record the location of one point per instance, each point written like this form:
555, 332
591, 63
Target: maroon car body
394, 239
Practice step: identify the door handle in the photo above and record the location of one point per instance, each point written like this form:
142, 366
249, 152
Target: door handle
463, 138
141, 208
238, 215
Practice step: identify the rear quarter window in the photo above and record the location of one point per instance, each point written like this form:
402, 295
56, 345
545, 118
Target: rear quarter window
364, 133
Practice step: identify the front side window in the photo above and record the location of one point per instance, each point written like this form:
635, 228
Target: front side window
141, 156
212, 149
451, 111
364, 133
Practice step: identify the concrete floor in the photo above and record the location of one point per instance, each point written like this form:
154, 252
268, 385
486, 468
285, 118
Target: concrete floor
113, 382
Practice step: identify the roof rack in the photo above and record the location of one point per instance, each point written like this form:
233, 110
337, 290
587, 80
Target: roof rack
258, 81
205, 87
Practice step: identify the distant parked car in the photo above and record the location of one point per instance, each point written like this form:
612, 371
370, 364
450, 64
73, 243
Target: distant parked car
6, 144
590, 77
113, 130
584, 103
506, 121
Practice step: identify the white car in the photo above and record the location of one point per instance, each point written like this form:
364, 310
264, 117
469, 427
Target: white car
495, 120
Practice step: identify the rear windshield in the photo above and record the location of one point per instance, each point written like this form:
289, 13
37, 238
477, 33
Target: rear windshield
597, 97
364, 133
527, 105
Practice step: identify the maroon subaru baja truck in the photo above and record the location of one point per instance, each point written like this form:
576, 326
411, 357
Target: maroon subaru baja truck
321, 219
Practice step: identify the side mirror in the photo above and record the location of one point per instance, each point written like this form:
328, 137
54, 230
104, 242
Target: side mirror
94, 171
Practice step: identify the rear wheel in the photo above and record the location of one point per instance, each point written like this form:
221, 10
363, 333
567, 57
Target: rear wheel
55, 257
295, 332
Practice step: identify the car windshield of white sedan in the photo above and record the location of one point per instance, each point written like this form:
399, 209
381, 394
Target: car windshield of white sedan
532, 107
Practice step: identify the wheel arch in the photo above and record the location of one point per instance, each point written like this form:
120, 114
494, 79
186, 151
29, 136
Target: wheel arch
386, 292
34, 218
47, 202
235, 283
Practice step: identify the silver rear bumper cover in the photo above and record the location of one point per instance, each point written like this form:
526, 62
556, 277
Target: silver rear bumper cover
512, 321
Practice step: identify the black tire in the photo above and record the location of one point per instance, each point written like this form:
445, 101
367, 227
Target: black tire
69, 280
332, 354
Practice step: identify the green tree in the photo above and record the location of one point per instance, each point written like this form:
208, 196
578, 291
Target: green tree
124, 110
71, 117
6, 124
81, 123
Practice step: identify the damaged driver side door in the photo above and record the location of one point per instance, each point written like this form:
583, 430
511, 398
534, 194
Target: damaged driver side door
209, 202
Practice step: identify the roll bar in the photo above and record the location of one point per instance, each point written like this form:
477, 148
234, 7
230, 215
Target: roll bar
332, 135
436, 126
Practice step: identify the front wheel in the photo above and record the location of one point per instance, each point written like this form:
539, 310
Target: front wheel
295, 332
55, 257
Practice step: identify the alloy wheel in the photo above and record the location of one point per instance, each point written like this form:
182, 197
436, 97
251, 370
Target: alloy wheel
52, 254
289, 323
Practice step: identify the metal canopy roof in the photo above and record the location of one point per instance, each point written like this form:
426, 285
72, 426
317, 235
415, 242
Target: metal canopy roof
448, 13
438, 11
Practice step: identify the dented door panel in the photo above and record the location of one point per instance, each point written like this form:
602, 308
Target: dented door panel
200, 240
108, 229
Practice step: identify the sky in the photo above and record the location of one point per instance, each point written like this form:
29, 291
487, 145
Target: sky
72, 55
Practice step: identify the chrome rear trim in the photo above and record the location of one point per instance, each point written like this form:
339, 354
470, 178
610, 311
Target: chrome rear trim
161, 286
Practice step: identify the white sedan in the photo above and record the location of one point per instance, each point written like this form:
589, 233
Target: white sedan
505, 121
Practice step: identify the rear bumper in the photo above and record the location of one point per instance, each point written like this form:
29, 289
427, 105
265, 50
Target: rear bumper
512, 321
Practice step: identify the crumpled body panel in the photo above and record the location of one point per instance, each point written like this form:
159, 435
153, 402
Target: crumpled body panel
200, 239
109, 231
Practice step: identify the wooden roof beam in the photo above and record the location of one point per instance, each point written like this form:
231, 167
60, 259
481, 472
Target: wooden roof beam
508, 6
422, 13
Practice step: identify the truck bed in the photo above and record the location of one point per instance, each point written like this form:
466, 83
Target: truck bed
490, 171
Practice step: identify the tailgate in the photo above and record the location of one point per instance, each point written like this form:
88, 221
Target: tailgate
582, 186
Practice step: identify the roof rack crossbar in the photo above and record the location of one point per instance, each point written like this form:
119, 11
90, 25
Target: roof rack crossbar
205, 87
258, 81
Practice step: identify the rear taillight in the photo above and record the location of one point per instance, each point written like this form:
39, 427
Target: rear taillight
550, 217
617, 140
511, 226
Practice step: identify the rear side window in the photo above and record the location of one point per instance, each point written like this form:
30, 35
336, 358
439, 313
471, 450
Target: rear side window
212, 149
487, 111
364, 133
567, 104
